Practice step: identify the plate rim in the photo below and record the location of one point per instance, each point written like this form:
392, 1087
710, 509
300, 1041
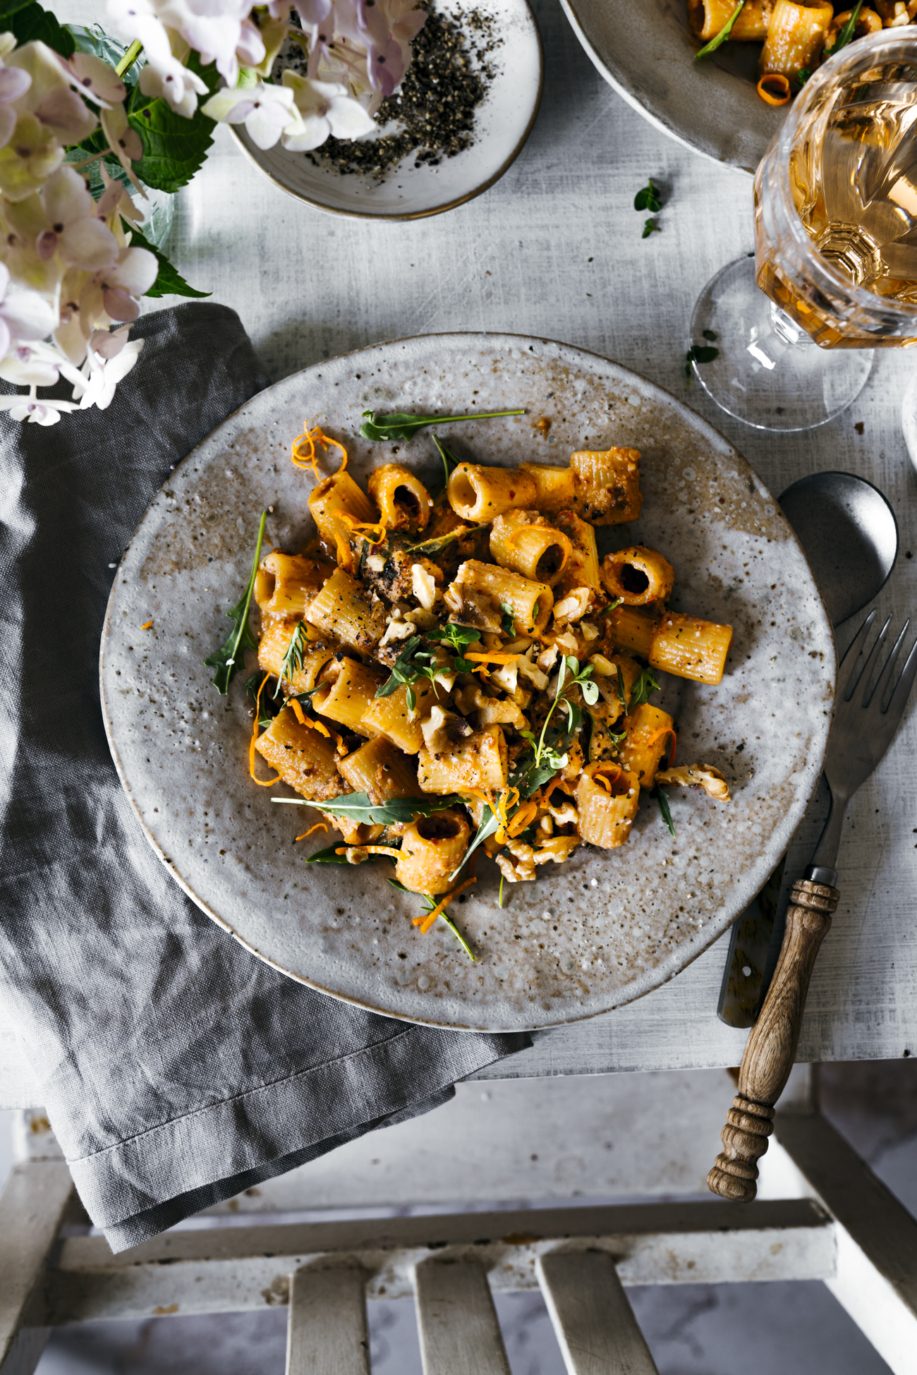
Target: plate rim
615, 76
641, 985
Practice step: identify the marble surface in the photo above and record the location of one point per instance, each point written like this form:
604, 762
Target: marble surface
554, 249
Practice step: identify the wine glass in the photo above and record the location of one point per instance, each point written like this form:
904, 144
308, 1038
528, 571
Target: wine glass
836, 247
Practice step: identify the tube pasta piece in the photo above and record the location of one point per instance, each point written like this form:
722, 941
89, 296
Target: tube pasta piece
336, 505
606, 485
478, 762
689, 647
286, 583
795, 36
524, 542
867, 22
553, 485
607, 797
303, 757
343, 612
708, 17
345, 694
582, 567
403, 501
696, 776
481, 494
390, 716
483, 595
633, 629
650, 731
432, 848
379, 770
638, 575
272, 649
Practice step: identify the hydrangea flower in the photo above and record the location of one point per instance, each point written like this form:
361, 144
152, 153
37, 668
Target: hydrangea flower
326, 109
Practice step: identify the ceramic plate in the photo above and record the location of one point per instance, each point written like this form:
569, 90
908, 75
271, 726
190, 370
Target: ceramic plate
590, 934
647, 53
502, 124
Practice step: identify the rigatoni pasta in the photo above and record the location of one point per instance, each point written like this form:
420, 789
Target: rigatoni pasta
468, 680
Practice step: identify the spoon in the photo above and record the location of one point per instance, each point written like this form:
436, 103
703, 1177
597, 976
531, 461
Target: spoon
850, 537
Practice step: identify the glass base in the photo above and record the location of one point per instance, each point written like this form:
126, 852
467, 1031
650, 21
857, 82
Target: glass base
767, 372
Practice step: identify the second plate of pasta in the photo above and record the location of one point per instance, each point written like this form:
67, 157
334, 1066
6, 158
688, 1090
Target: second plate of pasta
449, 633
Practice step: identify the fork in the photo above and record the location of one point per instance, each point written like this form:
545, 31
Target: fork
871, 697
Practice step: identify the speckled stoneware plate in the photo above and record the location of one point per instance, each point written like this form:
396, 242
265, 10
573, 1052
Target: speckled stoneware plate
590, 934
511, 51
646, 52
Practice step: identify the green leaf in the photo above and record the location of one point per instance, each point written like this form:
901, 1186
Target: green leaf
439, 542
448, 459
650, 227
722, 37
169, 281
666, 810
227, 660
293, 656
710, 334
488, 825
359, 807
590, 692
173, 147
507, 619
648, 197
644, 684
403, 425
30, 24
847, 32
457, 637
330, 855
462, 940
98, 43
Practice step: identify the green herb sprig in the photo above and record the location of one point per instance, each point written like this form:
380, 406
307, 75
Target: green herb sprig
227, 660
722, 37
403, 425
360, 807
439, 542
666, 811
443, 917
293, 657
415, 661
649, 197
847, 32
645, 684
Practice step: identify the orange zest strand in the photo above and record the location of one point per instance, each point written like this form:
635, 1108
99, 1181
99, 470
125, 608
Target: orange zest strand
252, 755
657, 735
606, 775
319, 826
488, 657
379, 530
774, 88
523, 817
428, 918
147, 625
304, 450
304, 720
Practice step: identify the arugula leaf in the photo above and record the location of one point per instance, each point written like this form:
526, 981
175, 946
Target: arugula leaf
402, 425
293, 656
359, 807
507, 619
645, 683
30, 23
412, 663
648, 197
665, 810
448, 459
330, 856
444, 916
488, 825
700, 353
802, 77
227, 659
174, 147
169, 281
722, 37
607, 609
847, 32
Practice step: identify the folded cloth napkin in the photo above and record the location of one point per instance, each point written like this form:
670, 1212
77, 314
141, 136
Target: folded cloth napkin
176, 1068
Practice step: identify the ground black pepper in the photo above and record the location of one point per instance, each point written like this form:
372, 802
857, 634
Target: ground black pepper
432, 115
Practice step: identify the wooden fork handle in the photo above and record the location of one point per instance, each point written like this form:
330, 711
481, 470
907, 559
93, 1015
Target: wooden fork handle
771, 1047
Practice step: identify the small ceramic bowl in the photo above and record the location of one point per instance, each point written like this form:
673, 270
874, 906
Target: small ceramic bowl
502, 124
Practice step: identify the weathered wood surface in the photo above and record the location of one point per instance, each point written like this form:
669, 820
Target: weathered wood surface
456, 1320
594, 1322
327, 1331
31, 1208
554, 249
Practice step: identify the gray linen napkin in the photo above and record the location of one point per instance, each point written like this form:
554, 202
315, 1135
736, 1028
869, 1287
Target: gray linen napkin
176, 1068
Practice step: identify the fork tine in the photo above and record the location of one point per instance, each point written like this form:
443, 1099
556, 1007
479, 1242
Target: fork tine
854, 650
864, 660
886, 670
901, 688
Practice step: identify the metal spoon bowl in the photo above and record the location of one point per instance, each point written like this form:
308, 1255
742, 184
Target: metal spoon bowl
850, 537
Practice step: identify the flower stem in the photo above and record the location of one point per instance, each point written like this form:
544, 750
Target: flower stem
129, 58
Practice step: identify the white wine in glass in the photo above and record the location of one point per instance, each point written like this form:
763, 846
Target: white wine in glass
836, 246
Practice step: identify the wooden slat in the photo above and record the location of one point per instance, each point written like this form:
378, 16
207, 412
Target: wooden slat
594, 1322
31, 1208
231, 1270
327, 1333
876, 1274
459, 1331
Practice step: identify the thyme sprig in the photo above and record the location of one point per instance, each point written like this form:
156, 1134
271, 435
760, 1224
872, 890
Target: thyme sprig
227, 660
293, 657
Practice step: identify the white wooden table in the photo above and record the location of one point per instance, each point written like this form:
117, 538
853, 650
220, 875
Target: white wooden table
554, 249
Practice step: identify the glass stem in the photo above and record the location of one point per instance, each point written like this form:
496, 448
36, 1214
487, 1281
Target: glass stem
785, 327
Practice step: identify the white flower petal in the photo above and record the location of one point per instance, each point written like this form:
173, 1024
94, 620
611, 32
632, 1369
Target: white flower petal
66, 197
348, 119
88, 243
27, 314
136, 271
